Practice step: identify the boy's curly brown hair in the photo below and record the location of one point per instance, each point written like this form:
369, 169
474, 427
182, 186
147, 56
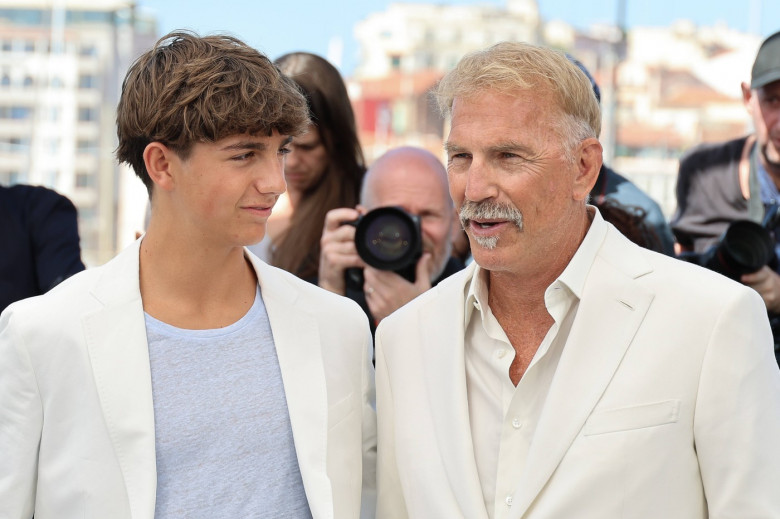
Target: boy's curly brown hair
189, 89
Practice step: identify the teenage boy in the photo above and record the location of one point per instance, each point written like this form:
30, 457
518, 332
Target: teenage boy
186, 378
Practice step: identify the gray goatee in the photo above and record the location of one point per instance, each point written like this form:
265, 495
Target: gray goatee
489, 211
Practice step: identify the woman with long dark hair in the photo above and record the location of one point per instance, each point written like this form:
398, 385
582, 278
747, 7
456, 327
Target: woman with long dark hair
324, 170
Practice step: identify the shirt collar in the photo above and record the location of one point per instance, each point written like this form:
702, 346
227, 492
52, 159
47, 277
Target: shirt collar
573, 276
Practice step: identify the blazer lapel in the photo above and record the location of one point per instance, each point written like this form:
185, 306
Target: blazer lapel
590, 357
116, 342
444, 357
298, 347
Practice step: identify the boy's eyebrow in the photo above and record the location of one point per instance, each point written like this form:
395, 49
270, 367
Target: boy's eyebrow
245, 145
252, 145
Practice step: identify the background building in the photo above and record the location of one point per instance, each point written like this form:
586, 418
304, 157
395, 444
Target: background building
61, 67
664, 89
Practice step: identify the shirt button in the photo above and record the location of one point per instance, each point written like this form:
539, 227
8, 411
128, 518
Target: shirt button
501, 353
516, 423
508, 500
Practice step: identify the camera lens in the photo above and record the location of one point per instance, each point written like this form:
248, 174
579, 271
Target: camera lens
745, 247
388, 238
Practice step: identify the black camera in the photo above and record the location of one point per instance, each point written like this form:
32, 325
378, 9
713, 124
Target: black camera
744, 247
387, 238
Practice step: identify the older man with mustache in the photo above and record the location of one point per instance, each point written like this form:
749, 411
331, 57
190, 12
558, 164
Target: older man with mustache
566, 373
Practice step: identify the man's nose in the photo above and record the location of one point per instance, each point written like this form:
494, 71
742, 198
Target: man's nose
480, 182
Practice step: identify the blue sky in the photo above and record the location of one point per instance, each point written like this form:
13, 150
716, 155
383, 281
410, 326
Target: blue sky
279, 27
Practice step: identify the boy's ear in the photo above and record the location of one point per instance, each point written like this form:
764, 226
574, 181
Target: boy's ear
159, 161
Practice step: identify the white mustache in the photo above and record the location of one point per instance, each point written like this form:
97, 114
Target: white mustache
489, 211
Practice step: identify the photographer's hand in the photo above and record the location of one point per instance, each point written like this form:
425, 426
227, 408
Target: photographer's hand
386, 291
767, 283
337, 249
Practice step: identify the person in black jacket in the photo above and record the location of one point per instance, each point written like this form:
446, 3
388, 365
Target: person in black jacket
40, 241
720, 183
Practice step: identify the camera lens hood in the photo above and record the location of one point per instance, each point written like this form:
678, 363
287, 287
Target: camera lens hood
388, 238
745, 247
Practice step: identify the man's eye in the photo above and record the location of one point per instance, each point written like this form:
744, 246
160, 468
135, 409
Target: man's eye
284, 151
244, 156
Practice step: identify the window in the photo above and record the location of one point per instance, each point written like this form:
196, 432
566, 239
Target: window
28, 81
15, 144
85, 179
86, 146
87, 81
88, 114
21, 112
15, 112
88, 50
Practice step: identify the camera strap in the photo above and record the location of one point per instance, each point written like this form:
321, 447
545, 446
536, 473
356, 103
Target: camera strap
748, 179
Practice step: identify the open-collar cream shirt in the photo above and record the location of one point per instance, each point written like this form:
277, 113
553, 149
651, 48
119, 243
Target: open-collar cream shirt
504, 417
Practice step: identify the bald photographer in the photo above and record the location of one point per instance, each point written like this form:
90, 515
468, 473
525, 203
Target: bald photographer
404, 227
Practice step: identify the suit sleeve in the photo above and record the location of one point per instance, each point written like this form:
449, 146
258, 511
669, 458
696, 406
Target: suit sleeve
737, 415
390, 499
368, 497
55, 239
21, 419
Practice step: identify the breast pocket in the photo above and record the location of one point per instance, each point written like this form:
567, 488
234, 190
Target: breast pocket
634, 417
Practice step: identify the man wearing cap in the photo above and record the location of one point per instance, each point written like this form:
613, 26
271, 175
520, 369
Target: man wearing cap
720, 183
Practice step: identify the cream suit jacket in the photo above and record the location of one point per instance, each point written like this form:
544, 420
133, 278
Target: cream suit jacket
665, 403
76, 414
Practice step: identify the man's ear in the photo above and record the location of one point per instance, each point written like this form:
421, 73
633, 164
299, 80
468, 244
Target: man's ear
589, 160
746, 93
159, 160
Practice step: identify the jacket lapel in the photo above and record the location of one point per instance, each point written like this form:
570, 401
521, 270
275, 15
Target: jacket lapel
116, 342
444, 357
590, 358
298, 348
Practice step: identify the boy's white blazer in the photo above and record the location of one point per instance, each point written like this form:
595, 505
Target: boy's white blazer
76, 414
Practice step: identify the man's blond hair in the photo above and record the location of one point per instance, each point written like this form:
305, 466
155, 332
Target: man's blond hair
515, 67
